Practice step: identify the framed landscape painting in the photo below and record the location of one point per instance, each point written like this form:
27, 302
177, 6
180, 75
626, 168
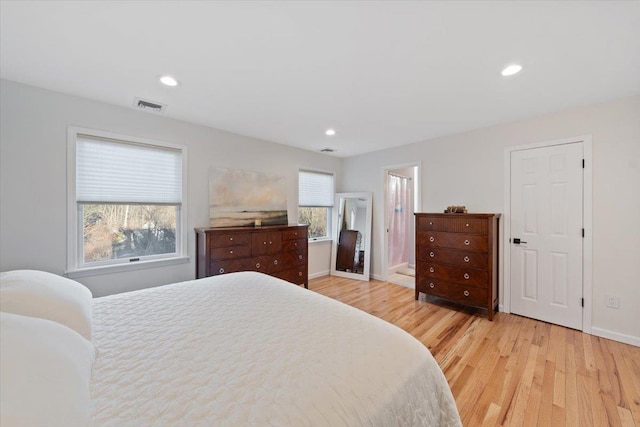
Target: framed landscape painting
237, 198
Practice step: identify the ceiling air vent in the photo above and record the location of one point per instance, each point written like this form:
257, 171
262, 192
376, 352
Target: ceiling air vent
327, 150
151, 106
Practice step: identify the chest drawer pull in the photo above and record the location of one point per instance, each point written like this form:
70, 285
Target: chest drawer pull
264, 243
431, 269
467, 224
432, 239
466, 276
466, 293
275, 262
431, 223
231, 239
230, 252
300, 273
431, 254
431, 285
467, 242
221, 270
466, 259
299, 256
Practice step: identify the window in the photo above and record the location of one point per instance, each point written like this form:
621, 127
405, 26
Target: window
315, 201
127, 197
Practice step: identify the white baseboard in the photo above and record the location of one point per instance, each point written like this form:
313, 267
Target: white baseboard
377, 277
319, 274
616, 336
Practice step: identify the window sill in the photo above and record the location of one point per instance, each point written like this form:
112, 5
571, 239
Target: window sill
118, 268
320, 241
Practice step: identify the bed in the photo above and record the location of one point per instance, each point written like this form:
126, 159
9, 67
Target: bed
246, 349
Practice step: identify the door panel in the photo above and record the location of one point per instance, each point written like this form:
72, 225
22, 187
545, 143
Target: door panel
546, 215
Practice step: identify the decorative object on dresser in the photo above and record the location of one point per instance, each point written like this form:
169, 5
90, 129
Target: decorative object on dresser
279, 251
457, 258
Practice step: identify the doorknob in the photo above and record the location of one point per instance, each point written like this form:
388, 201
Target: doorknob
517, 241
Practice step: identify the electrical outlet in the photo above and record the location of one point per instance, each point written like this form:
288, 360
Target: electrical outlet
613, 301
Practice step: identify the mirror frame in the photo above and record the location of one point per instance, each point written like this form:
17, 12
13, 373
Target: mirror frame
337, 216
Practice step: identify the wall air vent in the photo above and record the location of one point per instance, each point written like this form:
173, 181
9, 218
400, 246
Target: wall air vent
151, 106
327, 150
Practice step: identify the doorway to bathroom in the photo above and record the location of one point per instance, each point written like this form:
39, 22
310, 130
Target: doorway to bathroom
401, 191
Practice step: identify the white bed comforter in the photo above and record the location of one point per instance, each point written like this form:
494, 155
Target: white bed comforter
246, 349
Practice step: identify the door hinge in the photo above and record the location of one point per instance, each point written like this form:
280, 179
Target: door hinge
582, 163
582, 301
583, 232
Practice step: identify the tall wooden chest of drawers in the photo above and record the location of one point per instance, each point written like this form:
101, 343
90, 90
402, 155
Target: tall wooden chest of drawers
280, 251
457, 258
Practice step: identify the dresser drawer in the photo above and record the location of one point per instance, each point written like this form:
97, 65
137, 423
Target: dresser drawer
294, 275
438, 239
273, 263
465, 276
230, 252
453, 225
295, 258
294, 245
453, 292
222, 267
453, 257
295, 233
222, 240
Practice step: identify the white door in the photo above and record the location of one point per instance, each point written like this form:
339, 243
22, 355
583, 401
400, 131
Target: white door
546, 233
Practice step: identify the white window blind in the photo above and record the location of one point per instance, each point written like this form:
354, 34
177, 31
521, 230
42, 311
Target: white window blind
315, 189
110, 171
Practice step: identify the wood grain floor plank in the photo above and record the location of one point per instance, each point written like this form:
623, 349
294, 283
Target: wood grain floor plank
513, 371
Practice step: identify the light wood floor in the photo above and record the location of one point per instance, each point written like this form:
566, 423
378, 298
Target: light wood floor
513, 371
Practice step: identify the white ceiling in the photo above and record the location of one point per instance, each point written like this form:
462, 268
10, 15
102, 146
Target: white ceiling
381, 73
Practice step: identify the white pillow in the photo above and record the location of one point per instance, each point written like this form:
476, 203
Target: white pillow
49, 296
45, 373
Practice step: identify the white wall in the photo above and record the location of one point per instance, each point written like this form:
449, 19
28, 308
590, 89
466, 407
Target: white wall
33, 150
467, 169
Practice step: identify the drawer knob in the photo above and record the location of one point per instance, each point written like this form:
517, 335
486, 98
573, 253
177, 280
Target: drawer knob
295, 244
230, 238
466, 293
300, 273
257, 265
230, 252
431, 269
299, 256
432, 239
466, 242
431, 285
466, 276
431, 223
221, 270
295, 233
466, 259
275, 262
467, 225
431, 254
264, 243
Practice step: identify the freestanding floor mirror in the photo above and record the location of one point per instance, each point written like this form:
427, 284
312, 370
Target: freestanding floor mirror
351, 248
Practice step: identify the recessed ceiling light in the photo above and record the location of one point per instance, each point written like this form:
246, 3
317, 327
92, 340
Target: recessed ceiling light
511, 70
169, 81
330, 132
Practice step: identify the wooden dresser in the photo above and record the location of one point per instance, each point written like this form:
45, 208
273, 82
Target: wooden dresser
279, 251
457, 258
